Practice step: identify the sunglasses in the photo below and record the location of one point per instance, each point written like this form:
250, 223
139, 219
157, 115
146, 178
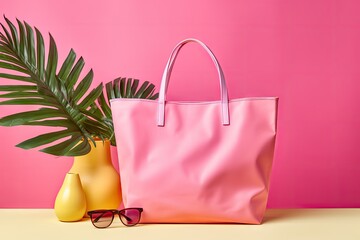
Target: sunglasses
103, 218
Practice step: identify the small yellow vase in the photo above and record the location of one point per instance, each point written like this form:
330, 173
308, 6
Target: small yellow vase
99, 178
70, 203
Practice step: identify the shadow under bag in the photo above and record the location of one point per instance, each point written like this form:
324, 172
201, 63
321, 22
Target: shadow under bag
196, 162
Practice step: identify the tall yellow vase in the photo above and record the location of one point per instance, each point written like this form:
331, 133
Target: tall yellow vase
70, 203
99, 178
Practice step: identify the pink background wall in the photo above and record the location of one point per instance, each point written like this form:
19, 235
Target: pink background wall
306, 52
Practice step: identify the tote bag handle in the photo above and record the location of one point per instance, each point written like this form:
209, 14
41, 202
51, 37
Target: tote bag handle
166, 77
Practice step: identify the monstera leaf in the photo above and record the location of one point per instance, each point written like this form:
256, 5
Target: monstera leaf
64, 98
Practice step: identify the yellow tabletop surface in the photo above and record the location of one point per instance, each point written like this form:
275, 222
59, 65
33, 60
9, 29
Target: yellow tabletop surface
289, 224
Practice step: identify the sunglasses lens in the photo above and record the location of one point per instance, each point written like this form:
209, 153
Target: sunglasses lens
102, 219
130, 217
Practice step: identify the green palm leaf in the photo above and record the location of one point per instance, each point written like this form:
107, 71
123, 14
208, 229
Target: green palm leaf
65, 100
23, 59
123, 88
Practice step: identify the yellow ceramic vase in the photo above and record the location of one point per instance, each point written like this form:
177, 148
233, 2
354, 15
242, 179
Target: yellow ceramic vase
99, 178
70, 203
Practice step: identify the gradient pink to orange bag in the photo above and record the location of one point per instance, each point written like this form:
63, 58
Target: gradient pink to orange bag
196, 162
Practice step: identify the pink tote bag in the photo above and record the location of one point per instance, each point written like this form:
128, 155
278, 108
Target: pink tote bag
196, 162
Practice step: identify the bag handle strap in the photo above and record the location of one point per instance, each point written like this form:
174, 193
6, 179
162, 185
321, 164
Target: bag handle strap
167, 74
